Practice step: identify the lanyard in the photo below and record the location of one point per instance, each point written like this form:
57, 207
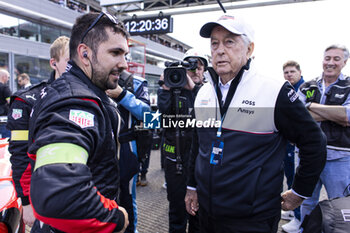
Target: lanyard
231, 91
218, 133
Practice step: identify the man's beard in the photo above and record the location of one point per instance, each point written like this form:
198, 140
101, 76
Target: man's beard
101, 78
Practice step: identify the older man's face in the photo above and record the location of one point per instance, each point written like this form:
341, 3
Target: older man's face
229, 53
333, 62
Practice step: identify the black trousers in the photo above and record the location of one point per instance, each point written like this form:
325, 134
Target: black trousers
125, 200
176, 191
210, 224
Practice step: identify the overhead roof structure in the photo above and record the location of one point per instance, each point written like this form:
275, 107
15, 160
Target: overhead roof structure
190, 6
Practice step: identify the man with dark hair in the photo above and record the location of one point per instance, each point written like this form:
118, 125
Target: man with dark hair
73, 134
21, 105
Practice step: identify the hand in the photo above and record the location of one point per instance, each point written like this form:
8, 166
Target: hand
190, 84
191, 201
126, 221
161, 78
290, 201
28, 215
114, 93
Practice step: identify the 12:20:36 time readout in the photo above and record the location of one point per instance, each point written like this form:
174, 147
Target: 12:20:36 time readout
147, 25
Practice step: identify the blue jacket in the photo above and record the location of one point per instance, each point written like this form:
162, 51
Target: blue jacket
131, 106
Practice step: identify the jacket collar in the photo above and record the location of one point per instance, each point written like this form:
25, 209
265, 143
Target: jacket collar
73, 68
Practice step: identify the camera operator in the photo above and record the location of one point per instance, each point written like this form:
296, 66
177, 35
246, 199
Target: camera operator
175, 175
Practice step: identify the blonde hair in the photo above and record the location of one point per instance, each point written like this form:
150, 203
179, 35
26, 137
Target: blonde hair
58, 47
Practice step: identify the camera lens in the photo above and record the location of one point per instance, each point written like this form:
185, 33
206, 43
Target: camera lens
175, 77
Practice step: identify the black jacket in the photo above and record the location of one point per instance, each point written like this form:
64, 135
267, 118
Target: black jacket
166, 105
5, 93
338, 136
21, 105
75, 190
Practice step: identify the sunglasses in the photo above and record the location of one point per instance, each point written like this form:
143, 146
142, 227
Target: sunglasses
109, 16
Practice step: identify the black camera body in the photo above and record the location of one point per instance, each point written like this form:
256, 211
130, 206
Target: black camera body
175, 77
126, 81
175, 74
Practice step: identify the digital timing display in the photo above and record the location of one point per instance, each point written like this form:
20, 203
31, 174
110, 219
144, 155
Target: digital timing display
150, 25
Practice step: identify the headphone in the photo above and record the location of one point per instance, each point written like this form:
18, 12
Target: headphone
54, 64
85, 54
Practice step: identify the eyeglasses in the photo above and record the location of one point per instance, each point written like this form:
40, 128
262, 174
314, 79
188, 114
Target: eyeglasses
109, 16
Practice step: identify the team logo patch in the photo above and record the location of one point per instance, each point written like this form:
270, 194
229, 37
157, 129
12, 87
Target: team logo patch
17, 113
81, 118
292, 95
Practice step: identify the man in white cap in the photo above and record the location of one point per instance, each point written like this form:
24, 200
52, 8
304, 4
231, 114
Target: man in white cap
237, 167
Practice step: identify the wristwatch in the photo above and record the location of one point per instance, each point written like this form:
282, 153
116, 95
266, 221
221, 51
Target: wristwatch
161, 83
307, 105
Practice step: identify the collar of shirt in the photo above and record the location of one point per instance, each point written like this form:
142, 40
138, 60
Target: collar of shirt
224, 89
324, 89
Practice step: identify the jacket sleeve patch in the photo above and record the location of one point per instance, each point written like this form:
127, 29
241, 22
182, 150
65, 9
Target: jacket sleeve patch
19, 135
17, 113
82, 118
292, 95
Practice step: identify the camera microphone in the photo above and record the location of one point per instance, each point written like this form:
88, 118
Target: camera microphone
171, 64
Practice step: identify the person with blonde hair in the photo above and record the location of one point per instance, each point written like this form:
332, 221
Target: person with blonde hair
18, 122
59, 53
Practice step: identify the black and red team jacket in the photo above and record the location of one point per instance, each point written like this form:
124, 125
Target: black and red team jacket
74, 121
21, 105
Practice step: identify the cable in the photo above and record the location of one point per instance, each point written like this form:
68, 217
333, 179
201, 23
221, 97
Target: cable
221, 6
92, 69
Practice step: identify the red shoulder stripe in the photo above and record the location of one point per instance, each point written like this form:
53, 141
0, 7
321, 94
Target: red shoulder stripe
20, 99
94, 101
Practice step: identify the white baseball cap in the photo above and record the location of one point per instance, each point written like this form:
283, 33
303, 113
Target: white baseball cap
197, 54
234, 24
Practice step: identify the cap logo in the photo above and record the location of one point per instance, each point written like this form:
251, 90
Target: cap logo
225, 17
